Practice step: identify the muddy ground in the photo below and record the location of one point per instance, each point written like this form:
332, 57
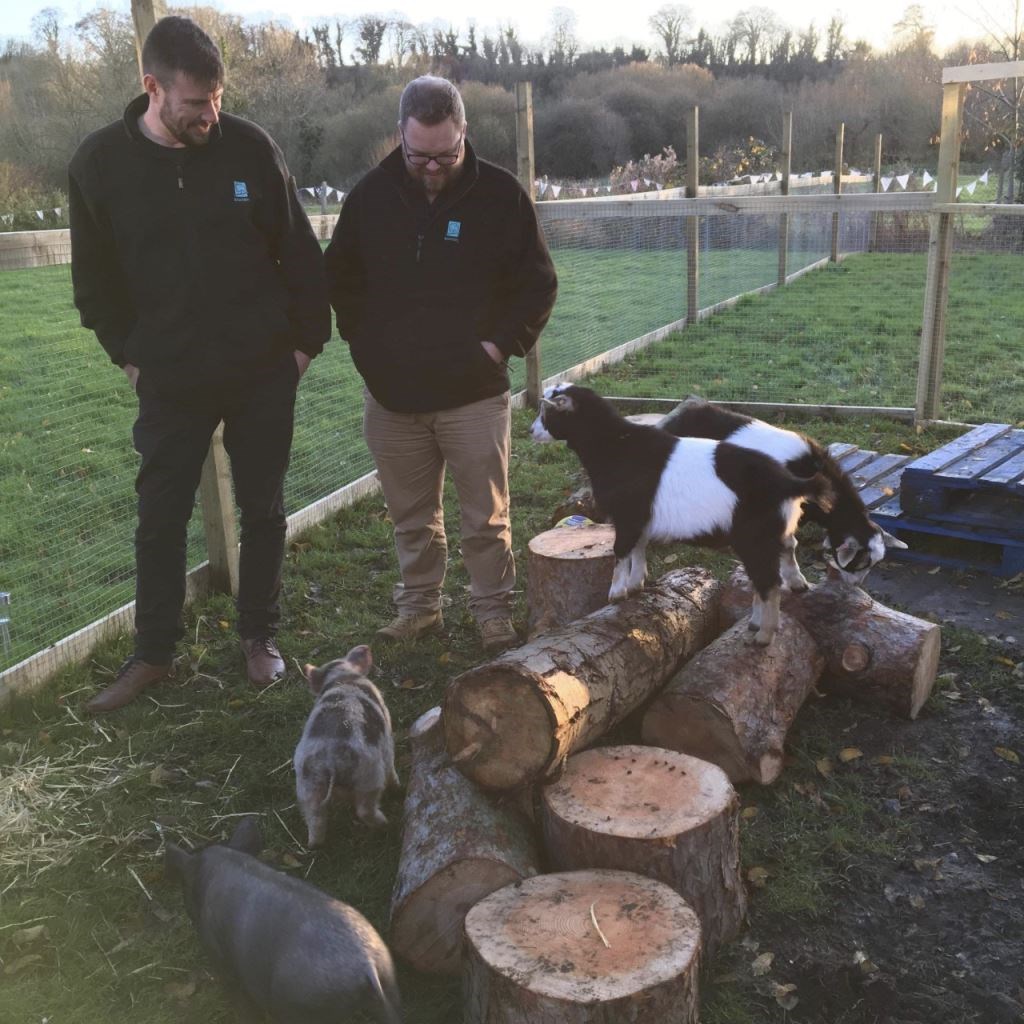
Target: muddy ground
933, 934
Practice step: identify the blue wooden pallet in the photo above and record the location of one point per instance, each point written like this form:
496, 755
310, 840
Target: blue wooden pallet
976, 481
986, 522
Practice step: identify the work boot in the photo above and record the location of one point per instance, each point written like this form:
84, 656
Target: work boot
497, 634
410, 625
263, 661
132, 678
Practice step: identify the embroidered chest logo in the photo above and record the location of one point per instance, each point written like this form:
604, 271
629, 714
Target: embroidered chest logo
452, 234
241, 192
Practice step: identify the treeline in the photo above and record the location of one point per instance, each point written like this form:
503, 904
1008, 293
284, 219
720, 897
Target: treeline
330, 96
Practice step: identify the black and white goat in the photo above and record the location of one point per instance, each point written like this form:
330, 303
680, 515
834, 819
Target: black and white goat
654, 486
853, 543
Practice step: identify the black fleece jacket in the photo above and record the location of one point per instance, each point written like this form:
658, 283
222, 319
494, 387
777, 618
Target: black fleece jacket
417, 285
193, 263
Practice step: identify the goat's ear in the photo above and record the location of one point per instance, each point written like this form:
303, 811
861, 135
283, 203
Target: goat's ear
563, 403
546, 401
847, 552
360, 659
247, 836
176, 862
893, 542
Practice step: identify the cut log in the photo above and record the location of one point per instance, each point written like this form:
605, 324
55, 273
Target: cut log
872, 653
569, 572
656, 812
458, 845
582, 947
734, 702
516, 719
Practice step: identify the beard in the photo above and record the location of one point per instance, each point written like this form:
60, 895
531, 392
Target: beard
186, 132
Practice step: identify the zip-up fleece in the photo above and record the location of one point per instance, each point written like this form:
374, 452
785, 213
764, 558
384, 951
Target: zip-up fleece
417, 285
196, 261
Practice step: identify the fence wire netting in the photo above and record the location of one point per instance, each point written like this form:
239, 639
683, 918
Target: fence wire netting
840, 333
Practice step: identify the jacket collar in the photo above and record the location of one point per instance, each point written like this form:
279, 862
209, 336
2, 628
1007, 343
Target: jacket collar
393, 165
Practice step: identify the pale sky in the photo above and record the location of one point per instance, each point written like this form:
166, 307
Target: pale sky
597, 23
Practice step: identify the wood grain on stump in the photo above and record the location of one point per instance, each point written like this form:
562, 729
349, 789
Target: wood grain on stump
569, 572
582, 947
734, 702
873, 653
517, 718
656, 812
458, 845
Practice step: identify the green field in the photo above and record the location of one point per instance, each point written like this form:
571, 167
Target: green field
847, 334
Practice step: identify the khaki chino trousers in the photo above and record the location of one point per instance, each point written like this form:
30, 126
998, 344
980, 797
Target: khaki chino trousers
411, 451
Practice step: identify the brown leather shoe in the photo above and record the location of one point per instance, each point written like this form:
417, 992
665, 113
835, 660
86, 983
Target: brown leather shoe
263, 661
132, 678
497, 634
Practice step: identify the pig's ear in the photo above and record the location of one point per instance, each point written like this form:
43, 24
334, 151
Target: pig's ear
247, 836
176, 862
314, 678
360, 659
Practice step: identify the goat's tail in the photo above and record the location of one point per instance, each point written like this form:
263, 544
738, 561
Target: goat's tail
817, 488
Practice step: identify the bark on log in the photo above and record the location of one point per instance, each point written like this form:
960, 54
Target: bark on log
516, 719
656, 812
569, 572
582, 947
734, 702
872, 653
458, 846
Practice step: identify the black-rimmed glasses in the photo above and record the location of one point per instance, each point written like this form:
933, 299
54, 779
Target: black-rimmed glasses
441, 159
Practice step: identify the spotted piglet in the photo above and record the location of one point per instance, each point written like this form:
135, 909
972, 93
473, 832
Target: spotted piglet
347, 752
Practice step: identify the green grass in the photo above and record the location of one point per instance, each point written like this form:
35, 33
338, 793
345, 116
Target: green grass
848, 334
85, 804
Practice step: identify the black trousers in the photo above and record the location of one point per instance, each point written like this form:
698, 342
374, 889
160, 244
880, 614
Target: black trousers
172, 435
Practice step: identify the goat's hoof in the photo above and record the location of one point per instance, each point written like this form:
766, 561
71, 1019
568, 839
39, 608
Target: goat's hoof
798, 586
763, 639
751, 625
617, 596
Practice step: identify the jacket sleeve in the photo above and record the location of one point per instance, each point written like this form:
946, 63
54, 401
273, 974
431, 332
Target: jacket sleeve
302, 265
346, 273
100, 291
529, 296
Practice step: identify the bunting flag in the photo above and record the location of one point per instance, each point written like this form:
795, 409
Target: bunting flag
984, 178
634, 184
7, 218
607, 188
926, 178
959, 189
970, 188
885, 183
555, 189
904, 180
542, 187
39, 214
311, 191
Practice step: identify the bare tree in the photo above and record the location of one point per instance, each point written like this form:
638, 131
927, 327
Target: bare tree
671, 25
835, 41
756, 30
565, 44
371, 29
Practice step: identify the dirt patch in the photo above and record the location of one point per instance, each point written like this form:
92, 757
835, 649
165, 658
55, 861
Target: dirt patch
931, 932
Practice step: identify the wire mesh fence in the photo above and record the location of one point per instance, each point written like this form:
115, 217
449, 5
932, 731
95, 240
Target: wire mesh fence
846, 333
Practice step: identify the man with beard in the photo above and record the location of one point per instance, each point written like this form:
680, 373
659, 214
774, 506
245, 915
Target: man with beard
195, 265
439, 274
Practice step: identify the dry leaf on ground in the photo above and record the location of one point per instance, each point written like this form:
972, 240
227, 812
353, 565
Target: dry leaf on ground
762, 965
848, 754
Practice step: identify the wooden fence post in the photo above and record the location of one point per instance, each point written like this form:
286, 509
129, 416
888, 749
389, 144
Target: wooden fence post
940, 250
526, 172
145, 14
787, 166
693, 223
837, 188
215, 485
876, 186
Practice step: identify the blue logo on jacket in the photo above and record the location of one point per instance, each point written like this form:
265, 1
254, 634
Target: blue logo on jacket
452, 234
241, 192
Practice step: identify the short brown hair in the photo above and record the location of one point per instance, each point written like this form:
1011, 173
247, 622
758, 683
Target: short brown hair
431, 99
178, 44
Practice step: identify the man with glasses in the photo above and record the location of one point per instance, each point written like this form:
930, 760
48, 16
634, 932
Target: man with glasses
438, 273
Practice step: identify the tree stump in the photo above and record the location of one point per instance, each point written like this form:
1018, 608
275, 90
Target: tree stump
517, 718
569, 572
873, 654
734, 702
582, 947
458, 845
656, 812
